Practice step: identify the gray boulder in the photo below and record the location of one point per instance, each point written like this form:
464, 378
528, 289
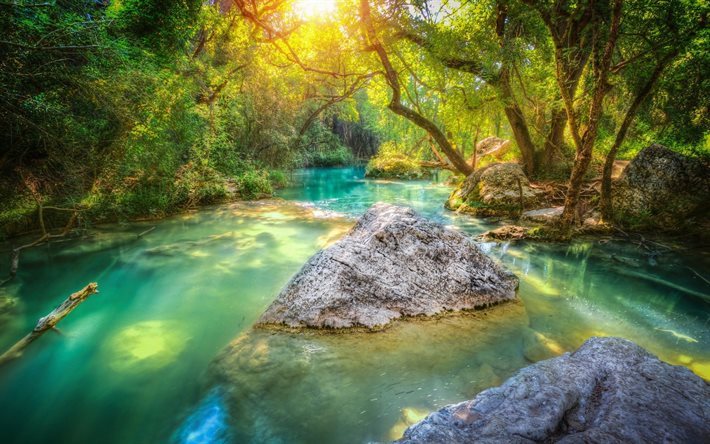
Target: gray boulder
393, 263
662, 189
494, 190
609, 391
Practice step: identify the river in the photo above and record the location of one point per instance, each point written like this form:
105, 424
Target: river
134, 363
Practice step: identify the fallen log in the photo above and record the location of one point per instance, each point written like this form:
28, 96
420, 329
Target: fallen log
49, 322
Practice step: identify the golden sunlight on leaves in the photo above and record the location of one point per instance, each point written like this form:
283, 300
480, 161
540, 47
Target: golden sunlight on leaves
315, 9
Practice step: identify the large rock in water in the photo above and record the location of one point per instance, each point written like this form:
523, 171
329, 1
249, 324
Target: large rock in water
609, 391
493, 190
661, 188
393, 263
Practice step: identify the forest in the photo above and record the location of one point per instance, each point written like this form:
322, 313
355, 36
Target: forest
465, 191
141, 108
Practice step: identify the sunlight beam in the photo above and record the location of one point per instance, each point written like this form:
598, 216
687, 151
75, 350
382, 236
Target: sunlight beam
315, 9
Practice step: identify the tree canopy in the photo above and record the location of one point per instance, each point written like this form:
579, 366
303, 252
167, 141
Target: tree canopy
138, 107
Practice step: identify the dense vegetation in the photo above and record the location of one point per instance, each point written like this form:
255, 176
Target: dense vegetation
135, 108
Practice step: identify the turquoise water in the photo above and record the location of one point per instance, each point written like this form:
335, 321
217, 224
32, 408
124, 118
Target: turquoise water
136, 362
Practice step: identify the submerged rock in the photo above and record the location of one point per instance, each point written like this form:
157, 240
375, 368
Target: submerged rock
273, 381
410, 416
9, 308
494, 190
145, 346
609, 391
393, 263
661, 188
537, 346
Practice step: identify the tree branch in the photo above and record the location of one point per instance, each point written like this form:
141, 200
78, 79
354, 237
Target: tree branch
49, 322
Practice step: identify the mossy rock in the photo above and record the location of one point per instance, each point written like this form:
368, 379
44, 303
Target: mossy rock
662, 189
395, 167
494, 190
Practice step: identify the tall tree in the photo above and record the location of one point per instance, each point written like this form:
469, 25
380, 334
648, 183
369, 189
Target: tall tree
396, 104
653, 35
581, 30
494, 57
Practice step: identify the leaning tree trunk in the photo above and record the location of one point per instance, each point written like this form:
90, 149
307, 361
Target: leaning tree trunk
396, 104
553, 142
606, 206
517, 121
522, 137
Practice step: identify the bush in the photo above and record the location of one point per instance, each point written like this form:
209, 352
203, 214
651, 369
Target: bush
198, 185
278, 179
339, 156
254, 185
390, 163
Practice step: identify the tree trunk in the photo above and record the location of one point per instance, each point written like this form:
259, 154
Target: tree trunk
585, 144
553, 142
606, 206
396, 105
522, 137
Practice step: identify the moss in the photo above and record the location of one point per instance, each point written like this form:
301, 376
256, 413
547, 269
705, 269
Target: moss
390, 163
481, 209
399, 167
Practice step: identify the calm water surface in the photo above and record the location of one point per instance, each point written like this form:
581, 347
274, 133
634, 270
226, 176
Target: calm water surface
136, 363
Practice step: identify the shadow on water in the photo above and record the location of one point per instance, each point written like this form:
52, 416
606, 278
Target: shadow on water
136, 363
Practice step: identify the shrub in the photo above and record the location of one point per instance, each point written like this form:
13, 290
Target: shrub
390, 163
278, 179
338, 156
254, 185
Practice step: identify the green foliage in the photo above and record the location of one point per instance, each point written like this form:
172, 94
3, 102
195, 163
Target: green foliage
328, 158
390, 162
322, 148
278, 179
140, 108
254, 185
156, 23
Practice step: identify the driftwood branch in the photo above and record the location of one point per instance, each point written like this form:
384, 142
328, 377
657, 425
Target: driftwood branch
699, 275
143, 233
45, 237
49, 322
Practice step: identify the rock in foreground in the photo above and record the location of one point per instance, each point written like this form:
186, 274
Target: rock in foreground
609, 391
393, 263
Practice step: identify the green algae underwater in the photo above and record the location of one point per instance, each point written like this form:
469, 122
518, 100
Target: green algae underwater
136, 363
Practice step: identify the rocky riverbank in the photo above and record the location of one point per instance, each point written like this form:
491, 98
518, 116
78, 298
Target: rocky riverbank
608, 391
